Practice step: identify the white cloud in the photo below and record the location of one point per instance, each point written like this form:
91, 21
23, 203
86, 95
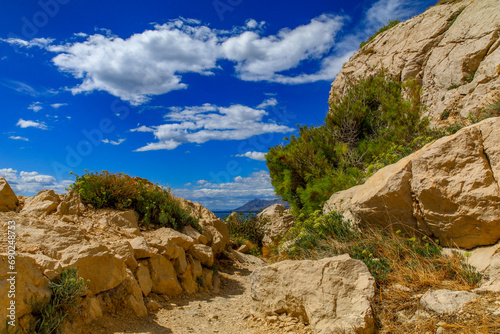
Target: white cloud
269, 102
231, 194
260, 156
263, 58
58, 105
113, 142
19, 138
35, 106
30, 183
200, 124
80, 34
31, 124
143, 65
38, 42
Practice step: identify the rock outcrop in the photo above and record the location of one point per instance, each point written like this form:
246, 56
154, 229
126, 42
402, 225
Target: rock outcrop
277, 221
109, 250
451, 49
332, 295
8, 199
449, 189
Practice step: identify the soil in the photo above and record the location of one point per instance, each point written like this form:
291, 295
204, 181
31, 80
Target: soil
226, 312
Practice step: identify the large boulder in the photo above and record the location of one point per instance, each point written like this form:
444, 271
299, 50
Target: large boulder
163, 276
448, 189
28, 282
333, 294
45, 202
8, 199
215, 230
97, 264
277, 221
71, 204
451, 49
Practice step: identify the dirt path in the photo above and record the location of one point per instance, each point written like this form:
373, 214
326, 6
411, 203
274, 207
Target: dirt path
227, 312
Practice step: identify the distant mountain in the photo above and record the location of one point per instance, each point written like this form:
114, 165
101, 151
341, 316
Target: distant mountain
260, 204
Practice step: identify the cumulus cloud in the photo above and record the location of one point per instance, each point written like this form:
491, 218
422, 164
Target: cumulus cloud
31, 124
268, 103
35, 106
113, 142
229, 195
199, 124
58, 105
146, 64
260, 156
30, 183
262, 58
19, 138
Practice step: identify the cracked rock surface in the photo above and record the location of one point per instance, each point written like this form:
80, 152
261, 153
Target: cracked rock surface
448, 189
452, 50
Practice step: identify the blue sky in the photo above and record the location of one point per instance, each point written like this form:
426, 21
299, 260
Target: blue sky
188, 94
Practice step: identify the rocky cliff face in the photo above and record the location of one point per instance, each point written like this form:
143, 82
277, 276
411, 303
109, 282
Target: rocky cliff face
451, 49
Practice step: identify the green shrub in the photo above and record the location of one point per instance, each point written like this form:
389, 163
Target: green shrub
387, 26
246, 227
50, 315
375, 114
154, 204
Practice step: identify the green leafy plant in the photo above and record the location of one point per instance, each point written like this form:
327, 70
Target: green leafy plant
375, 114
385, 27
246, 227
49, 315
154, 204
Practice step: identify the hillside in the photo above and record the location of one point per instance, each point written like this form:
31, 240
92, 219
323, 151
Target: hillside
259, 204
451, 49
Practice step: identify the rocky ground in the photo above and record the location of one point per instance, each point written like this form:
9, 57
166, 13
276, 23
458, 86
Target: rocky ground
225, 312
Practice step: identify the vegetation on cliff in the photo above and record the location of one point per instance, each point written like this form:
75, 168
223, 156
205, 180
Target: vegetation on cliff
154, 204
378, 121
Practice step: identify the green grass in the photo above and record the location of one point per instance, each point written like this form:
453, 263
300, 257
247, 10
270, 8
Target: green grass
49, 316
392, 257
154, 204
385, 27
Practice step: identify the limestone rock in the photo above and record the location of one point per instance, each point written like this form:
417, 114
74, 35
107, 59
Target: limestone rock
29, 281
126, 219
50, 267
196, 210
124, 251
277, 221
93, 308
8, 199
202, 253
446, 45
144, 278
71, 204
247, 259
188, 282
141, 248
163, 276
207, 276
170, 236
97, 264
180, 263
45, 202
448, 189
197, 236
446, 301
134, 299
217, 234
332, 294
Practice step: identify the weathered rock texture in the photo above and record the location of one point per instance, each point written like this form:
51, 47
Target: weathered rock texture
331, 294
111, 253
446, 46
277, 222
448, 189
446, 301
